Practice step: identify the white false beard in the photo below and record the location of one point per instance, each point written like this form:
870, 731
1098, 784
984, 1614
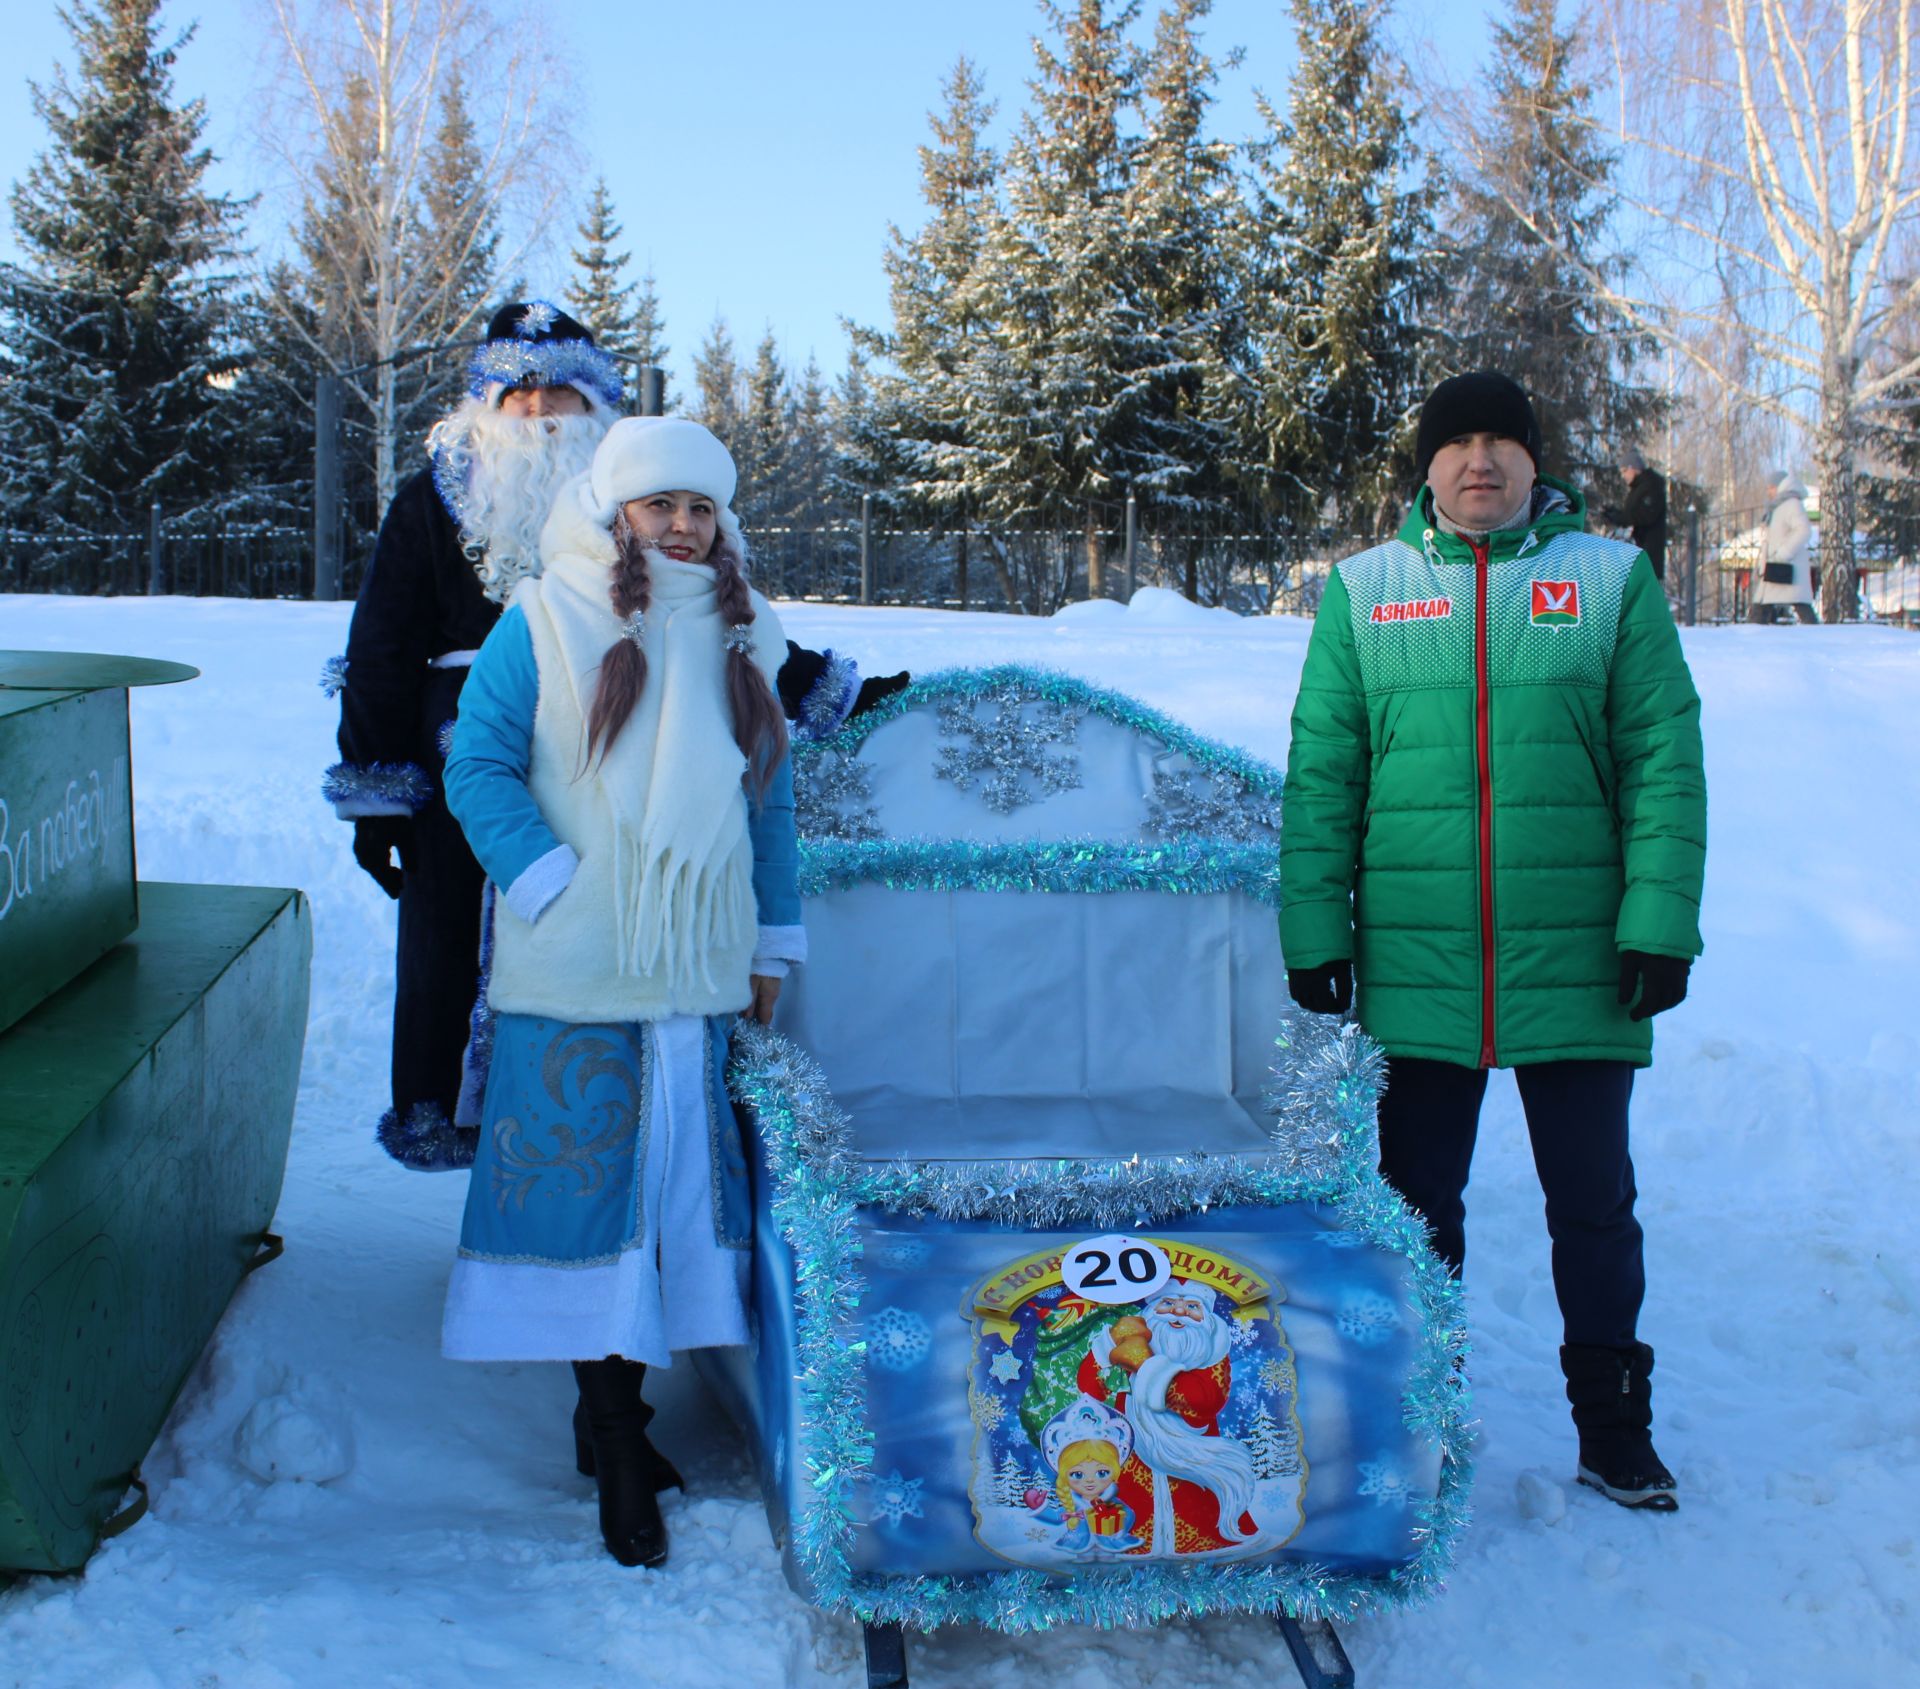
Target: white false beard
511, 469
1171, 1446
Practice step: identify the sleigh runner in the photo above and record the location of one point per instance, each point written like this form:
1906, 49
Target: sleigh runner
1079, 1298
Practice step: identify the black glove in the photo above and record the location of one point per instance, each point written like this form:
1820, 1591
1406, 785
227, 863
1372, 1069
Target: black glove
1325, 990
877, 690
1661, 982
377, 840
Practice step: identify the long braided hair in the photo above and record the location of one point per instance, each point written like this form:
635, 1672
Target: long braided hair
759, 726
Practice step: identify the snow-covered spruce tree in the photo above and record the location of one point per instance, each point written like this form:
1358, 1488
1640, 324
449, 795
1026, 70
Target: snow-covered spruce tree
599, 295
922, 396
1338, 250
115, 325
1073, 361
761, 443
1183, 209
461, 225
809, 448
718, 385
1528, 220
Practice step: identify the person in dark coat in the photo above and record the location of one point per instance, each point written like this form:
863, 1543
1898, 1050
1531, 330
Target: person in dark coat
459, 535
1644, 514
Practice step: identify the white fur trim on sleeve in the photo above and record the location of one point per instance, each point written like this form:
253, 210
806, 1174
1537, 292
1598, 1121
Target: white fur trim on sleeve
779, 944
541, 882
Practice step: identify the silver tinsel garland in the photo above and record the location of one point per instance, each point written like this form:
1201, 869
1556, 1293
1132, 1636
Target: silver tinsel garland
333, 677
1327, 1083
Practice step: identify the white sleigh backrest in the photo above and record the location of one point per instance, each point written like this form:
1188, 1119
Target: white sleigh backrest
999, 962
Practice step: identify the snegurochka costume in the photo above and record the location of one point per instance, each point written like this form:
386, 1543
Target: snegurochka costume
431, 596
607, 1214
1496, 812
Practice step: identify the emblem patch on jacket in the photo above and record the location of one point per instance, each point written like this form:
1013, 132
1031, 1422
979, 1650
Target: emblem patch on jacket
1556, 603
1414, 610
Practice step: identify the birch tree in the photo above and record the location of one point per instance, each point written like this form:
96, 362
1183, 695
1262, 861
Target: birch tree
1775, 139
368, 81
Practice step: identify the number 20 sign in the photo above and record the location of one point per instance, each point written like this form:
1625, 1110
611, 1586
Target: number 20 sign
1116, 1269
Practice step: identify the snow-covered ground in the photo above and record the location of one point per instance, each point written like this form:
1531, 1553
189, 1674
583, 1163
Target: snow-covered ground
1776, 1143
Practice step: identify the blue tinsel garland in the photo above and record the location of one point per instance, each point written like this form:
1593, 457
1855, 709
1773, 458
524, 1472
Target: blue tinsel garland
1071, 865
385, 783
333, 677
553, 363
829, 700
1324, 1152
1063, 689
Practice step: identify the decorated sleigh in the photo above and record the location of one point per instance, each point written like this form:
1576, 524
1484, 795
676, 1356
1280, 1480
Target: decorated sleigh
1079, 1299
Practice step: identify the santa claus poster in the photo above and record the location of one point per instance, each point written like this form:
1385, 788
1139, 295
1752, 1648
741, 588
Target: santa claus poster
1159, 1427
1248, 1408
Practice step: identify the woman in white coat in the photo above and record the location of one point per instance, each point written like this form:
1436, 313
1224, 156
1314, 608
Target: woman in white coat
1788, 543
620, 768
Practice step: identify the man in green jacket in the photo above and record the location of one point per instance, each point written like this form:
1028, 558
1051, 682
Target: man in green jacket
1492, 845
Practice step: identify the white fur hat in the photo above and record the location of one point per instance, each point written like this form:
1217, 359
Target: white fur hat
659, 454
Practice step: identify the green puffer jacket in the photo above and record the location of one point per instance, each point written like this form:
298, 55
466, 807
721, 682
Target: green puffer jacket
1495, 787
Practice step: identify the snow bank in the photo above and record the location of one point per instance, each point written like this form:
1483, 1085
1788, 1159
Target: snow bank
1775, 1141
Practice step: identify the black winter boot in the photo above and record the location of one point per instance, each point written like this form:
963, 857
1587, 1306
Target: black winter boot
1612, 1395
666, 1476
630, 1522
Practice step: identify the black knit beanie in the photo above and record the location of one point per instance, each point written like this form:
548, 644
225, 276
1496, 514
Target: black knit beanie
1483, 402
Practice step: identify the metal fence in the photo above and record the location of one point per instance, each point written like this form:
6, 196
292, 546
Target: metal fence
1241, 562
249, 562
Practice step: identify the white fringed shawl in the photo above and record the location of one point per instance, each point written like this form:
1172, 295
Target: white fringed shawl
659, 918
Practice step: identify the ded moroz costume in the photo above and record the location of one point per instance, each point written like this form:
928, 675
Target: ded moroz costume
459, 536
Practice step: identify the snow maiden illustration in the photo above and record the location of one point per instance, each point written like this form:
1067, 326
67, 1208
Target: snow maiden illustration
620, 767
1087, 1444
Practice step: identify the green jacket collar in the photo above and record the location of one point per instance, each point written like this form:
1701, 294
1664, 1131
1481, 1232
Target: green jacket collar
1421, 531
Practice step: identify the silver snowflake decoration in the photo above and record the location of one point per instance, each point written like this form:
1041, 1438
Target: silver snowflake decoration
1009, 751
833, 798
898, 1339
1189, 803
1388, 1487
537, 319
1005, 1366
897, 1497
1243, 1333
989, 1412
1368, 1319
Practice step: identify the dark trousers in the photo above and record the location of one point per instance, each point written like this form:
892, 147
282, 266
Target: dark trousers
437, 967
1577, 1120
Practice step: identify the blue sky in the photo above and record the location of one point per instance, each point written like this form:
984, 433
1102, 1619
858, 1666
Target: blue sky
756, 150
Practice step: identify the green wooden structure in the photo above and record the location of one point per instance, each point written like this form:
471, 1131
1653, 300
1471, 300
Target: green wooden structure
146, 1100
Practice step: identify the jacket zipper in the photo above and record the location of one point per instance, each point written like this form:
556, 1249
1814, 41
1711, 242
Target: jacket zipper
1483, 747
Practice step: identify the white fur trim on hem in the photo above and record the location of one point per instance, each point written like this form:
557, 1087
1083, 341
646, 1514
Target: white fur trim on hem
541, 882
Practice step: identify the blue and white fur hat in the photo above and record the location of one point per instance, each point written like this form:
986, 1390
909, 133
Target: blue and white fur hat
532, 343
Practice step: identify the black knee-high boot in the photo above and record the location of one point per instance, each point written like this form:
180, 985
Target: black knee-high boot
666, 1476
630, 1521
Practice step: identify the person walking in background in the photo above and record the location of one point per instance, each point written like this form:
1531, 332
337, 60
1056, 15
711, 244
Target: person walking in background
1644, 514
1783, 584
1493, 841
